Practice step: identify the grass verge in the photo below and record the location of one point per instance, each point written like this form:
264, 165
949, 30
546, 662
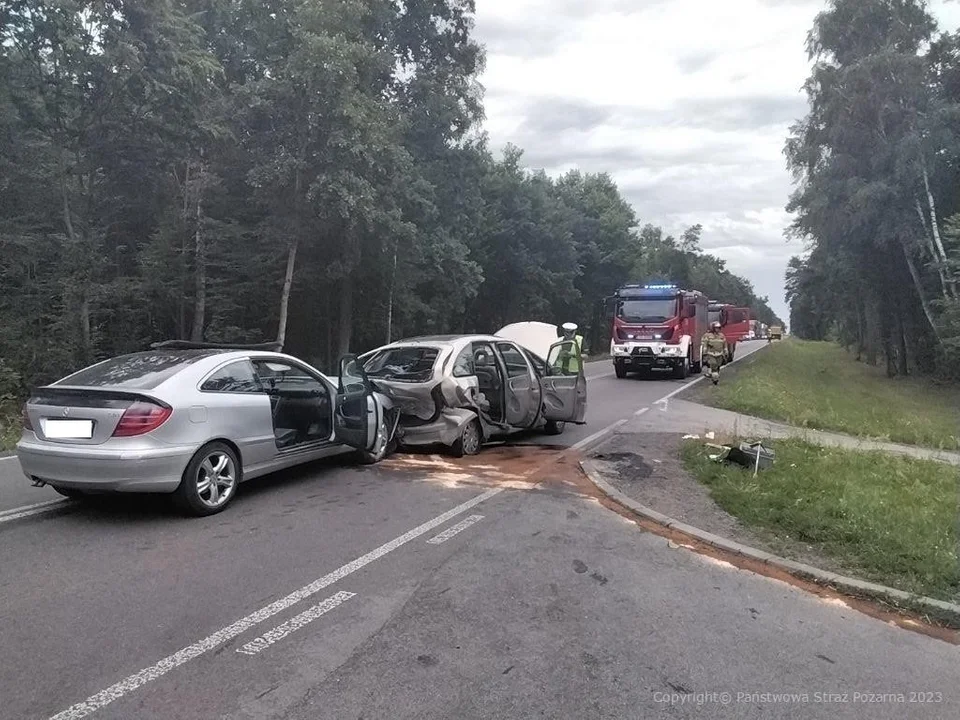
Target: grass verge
819, 385
9, 427
889, 519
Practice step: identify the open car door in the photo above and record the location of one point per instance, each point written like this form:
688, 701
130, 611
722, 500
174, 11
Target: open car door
355, 419
564, 384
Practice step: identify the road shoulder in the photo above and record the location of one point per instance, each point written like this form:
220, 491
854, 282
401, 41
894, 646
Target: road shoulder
625, 469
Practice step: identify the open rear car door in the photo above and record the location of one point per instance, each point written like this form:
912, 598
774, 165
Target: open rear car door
564, 384
355, 419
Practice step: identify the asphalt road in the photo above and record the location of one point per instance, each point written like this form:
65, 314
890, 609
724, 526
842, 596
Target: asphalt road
426, 588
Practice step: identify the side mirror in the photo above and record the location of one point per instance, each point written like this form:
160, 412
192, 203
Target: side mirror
690, 311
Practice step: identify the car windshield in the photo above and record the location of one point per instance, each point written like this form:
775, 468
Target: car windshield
652, 310
143, 371
406, 363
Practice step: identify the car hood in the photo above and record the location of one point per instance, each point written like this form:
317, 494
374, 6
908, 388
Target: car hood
537, 337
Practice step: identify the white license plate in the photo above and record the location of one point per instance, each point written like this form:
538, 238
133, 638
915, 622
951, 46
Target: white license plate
68, 429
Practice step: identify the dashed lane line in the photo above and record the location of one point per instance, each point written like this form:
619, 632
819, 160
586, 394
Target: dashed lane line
454, 529
295, 623
171, 662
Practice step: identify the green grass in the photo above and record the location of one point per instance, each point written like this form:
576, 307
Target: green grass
9, 428
890, 519
819, 385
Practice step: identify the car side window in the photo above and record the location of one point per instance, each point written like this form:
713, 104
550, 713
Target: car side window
287, 377
514, 360
237, 377
463, 365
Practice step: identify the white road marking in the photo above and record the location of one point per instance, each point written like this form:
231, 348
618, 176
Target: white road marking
597, 435
294, 623
8, 457
679, 390
454, 529
662, 402
28, 510
128, 685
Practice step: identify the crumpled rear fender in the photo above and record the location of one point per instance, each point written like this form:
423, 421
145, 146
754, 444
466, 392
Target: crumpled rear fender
444, 430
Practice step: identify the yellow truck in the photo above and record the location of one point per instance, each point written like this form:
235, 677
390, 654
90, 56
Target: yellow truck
776, 332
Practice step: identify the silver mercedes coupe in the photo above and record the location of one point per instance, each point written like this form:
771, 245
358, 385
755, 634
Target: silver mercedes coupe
196, 420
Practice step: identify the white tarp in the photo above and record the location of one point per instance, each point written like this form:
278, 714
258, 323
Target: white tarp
537, 337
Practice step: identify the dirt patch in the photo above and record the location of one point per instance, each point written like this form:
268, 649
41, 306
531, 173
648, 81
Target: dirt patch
647, 468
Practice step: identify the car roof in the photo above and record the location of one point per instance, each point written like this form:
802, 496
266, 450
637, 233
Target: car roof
148, 370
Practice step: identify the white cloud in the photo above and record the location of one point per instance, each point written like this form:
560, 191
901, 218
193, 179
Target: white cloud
687, 103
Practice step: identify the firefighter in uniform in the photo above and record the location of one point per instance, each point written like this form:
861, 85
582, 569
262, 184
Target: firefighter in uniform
713, 349
567, 362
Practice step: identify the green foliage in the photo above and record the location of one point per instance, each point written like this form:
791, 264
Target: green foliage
240, 170
891, 519
876, 161
850, 397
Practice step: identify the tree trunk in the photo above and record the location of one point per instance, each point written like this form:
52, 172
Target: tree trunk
918, 285
85, 323
182, 300
393, 283
346, 317
937, 261
84, 306
872, 332
903, 366
934, 224
200, 260
285, 294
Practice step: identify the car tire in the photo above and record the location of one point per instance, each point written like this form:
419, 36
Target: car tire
681, 371
470, 440
210, 481
620, 369
554, 427
381, 446
71, 493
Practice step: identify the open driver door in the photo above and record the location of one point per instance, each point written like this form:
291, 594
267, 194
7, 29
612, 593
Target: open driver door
355, 420
564, 384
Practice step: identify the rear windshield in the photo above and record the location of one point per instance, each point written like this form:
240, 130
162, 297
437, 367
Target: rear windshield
143, 371
406, 364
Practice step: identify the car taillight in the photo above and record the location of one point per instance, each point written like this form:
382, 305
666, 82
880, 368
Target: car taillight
140, 418
25, 419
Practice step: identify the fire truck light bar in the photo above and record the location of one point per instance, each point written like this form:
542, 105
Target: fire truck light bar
659, 287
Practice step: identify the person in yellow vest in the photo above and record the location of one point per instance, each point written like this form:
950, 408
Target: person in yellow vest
568, 362
713, 348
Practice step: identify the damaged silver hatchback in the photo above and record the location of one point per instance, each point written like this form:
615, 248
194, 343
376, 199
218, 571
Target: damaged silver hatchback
462, 390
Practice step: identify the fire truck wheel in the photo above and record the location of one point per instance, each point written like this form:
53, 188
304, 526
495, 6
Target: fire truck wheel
681, 371
620, 368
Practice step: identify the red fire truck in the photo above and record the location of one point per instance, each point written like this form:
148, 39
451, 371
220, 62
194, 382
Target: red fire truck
658, 326
734, 324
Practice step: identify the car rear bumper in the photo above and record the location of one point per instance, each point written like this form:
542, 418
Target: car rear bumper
100, 469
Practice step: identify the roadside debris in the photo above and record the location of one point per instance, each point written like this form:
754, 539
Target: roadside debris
753, 455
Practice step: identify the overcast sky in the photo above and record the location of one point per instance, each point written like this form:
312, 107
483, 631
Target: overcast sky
686, 103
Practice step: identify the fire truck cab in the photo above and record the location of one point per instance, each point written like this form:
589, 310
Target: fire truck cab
658, 327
